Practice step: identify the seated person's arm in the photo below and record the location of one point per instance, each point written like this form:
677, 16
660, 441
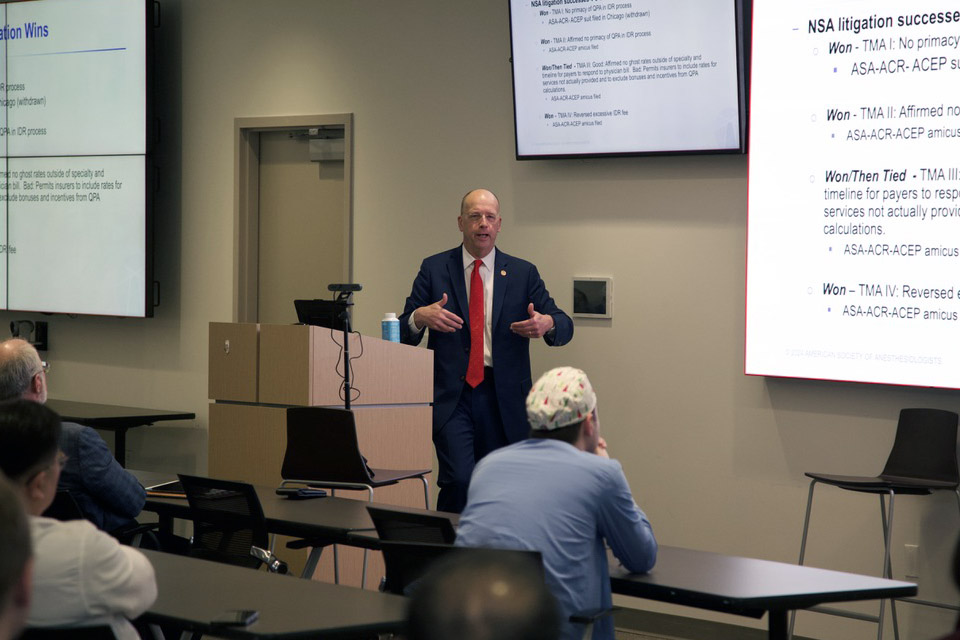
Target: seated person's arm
117, 579
105, 480
625, 526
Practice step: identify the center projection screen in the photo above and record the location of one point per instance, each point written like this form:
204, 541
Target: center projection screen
73, 92
627, 77
853, 245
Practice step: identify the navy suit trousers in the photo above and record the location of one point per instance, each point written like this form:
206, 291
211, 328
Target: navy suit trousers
474, 430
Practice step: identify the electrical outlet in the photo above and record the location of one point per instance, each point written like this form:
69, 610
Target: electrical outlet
911, 553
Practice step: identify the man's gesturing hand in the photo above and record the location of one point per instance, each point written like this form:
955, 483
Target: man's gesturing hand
437, 318
533, 328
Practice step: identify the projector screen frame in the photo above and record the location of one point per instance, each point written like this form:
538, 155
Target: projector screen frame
743, 11
824, 303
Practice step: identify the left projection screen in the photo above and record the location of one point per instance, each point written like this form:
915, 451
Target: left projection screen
73, 103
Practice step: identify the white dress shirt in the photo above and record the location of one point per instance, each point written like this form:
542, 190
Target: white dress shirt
84, 577
486, 274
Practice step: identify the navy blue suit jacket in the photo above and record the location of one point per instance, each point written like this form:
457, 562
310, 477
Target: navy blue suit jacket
107, 494
516, 283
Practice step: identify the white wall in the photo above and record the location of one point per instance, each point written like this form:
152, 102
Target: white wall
714, 457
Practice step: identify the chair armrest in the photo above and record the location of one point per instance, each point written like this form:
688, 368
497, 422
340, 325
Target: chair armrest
131, 534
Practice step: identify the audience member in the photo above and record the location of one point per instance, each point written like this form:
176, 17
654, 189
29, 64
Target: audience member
559, 493
483, 595
106, 493
16, 562
81, 576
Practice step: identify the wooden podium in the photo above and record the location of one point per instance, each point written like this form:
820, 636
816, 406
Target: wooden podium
258, 370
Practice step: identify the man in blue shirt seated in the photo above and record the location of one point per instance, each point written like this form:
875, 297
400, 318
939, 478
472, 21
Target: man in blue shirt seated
106, 493
559, 493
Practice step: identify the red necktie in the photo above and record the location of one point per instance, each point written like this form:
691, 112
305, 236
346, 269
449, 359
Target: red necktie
475, 368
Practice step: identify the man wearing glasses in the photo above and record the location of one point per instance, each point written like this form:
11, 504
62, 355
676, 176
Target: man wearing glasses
483, 307
81, 576
106, 493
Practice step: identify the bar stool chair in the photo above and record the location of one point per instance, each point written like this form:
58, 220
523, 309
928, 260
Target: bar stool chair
923, 460
323, 451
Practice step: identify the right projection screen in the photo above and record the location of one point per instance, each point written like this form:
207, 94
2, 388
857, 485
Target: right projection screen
853, 233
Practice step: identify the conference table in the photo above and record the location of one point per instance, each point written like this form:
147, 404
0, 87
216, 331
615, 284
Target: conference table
327, 520
748, 586
702, 579
193, 592
114, 418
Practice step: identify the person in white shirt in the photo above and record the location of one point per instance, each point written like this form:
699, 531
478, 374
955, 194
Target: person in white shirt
16, 564
81, 576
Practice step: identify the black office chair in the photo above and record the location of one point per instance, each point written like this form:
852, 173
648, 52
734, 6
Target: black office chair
408, 526
323, 451
228, 523
406, 562
923, 460
102, 632
65, 508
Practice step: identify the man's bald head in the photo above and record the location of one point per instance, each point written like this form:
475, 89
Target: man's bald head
21, 371
479, 221
475, 194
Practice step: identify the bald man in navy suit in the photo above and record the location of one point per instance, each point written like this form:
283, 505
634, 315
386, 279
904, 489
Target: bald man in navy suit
481, 362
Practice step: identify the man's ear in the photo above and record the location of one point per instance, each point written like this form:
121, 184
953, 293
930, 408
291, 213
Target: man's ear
36, 384
588, 429
589, 425
35, 489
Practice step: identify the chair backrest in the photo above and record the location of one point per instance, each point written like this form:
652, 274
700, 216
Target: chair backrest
322, 446
925, 446
102, 632
406, 562
64, 507
406, 526
227, 520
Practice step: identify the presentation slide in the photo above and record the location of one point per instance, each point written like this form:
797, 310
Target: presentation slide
75, 82
73, 92
625, 76
84, 210
853, 246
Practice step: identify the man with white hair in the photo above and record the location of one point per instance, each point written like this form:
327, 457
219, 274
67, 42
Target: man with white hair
106, 493
559, 493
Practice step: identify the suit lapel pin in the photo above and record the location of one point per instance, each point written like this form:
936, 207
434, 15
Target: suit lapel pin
503, 272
